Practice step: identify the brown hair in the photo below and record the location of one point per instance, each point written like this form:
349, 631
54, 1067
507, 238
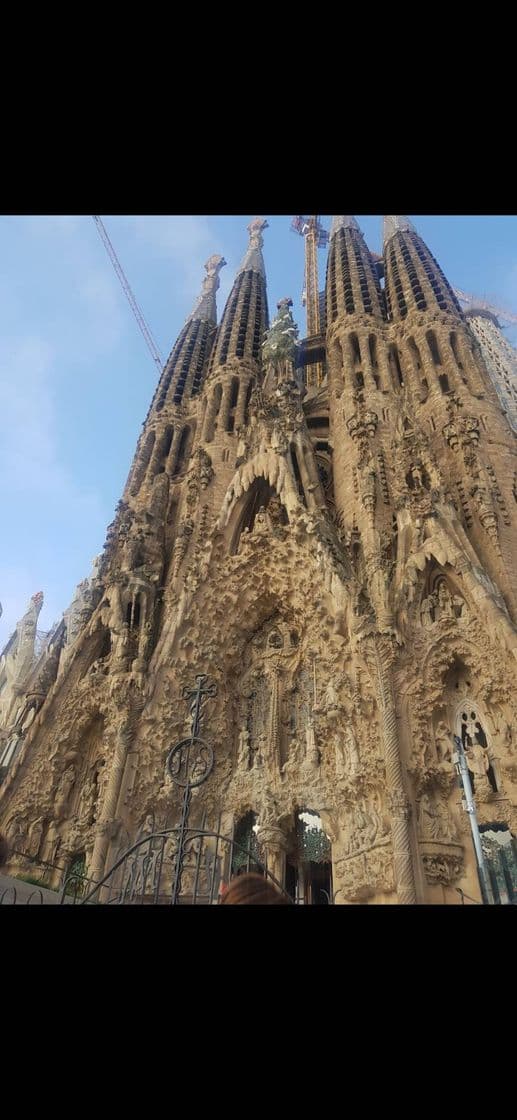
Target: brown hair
253, 890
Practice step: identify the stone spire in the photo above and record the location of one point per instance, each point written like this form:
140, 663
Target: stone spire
245, 317
343, 221
253, 260
205, 307
186, 365
396, 223
352, 281
413, 277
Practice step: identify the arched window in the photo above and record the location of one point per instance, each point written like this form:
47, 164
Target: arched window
260, 496
433, 348
181, 458
245, 848
396, 370
481, 765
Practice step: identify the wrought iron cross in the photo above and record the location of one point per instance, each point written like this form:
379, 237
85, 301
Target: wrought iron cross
189, 764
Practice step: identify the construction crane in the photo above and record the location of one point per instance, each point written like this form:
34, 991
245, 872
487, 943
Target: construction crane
151, 344
474, 302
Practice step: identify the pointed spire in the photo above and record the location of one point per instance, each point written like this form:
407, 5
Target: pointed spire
343, 221
205, 307
253, 260
396, 223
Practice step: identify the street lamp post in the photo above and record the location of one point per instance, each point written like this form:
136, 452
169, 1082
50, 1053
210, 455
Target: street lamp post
462, 769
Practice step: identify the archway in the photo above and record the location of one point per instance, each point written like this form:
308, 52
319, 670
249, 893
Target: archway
308, 875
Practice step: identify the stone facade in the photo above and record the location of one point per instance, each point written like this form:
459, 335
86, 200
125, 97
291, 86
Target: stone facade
341, 563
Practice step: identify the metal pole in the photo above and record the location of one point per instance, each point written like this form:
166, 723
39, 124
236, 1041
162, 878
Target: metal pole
461, 765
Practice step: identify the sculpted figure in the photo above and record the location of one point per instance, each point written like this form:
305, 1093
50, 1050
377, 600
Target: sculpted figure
429, 824
445, 608
312, 757
351, 750
331, 700
443, 741
243, 757
478, 760
63, 791
34, 836
427, 609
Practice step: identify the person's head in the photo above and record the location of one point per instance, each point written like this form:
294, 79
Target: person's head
253, 890
4, 850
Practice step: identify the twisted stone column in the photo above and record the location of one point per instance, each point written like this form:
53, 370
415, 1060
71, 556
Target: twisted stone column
398, 800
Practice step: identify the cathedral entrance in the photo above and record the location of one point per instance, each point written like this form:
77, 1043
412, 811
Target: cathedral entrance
308, 878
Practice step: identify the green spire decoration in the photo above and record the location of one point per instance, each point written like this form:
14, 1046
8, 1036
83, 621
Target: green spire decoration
280, 340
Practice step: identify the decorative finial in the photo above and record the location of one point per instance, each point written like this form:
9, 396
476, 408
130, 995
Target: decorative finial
279, 344
255, 230
343, 221
253, 260
205, 307
396, 223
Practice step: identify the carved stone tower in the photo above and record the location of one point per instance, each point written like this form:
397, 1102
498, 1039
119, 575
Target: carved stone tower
339, 561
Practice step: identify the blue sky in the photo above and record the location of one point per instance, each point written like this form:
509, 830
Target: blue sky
76, 378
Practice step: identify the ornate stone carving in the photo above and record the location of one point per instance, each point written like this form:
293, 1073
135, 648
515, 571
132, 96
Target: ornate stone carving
361, 877
443, 862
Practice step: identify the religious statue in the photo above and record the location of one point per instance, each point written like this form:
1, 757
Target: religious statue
312, 756
427, 609
51, 845
417, 478
459, 606
63, 791
34, 836
445, 608
429, 824
443, 741
351, 751
243, 757
331, 700
478, 760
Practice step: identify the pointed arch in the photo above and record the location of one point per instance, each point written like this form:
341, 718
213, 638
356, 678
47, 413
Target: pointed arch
258, 497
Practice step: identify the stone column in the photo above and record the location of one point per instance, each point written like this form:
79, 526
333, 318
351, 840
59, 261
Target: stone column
171, 458
224, 410
274, 841
241, 402
380, 658
383, 366
369, 380
208, 426
315, 487
107, 817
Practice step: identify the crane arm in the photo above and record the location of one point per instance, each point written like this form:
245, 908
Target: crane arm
151, 344
499, 312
